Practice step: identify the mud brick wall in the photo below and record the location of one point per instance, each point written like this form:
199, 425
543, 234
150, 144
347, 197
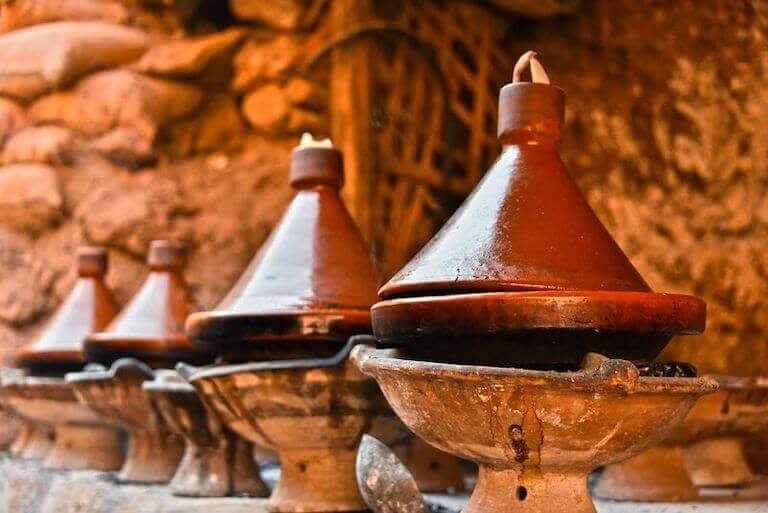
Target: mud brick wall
127, 120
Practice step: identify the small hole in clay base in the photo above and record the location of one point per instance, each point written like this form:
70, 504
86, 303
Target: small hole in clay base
522, 493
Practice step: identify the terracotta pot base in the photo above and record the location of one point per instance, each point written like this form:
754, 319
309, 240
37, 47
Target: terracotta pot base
85, 447
656, 475
216, 462
33, 441
705, 456
718, 462
226, 470
154, 450
153, 457
317, 480
82, 439
503, 491
434, 471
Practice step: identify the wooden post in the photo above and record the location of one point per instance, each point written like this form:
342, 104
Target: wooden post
351, 110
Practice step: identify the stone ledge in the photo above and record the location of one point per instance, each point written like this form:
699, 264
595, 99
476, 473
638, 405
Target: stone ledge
28, 488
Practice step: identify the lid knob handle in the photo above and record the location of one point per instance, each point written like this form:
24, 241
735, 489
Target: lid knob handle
92, 261
167, 255
316, 162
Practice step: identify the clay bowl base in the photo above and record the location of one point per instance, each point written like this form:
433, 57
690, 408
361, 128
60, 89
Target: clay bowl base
153, 457
229, 469
655, 475
33, 440
703, 457
313, 414
216, 462
718, 462
535, 435
434, 471
82, 440
116, 394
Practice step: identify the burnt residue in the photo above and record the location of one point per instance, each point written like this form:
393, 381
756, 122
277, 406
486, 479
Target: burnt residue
518, 443
668, 370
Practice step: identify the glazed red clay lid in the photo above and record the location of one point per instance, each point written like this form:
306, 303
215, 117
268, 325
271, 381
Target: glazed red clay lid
526, 252
88, 308
312, 282
151, 326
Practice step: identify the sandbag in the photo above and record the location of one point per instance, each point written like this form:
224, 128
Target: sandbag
50, 56
48, 144
121, 110
111, 99
163, 16
15, 14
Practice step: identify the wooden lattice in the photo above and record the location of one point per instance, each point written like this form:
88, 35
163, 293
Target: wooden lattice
430, 73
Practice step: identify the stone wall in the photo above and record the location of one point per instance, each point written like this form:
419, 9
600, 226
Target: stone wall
126, 131
179, 123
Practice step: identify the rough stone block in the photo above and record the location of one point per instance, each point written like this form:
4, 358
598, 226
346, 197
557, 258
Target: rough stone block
30, 197
266, 58
189, 56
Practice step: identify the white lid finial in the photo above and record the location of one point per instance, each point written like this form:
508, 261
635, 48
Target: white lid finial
308, 141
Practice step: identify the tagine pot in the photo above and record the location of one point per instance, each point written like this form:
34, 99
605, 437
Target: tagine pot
310, 286
88, 308
148, 333
151, 326
535, 435
216, 462
524, 274
39, 394
703, 457
117, 395
313, 414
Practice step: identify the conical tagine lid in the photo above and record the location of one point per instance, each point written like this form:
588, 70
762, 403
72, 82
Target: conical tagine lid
526, 253
88, 308
151, 326
311, 284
